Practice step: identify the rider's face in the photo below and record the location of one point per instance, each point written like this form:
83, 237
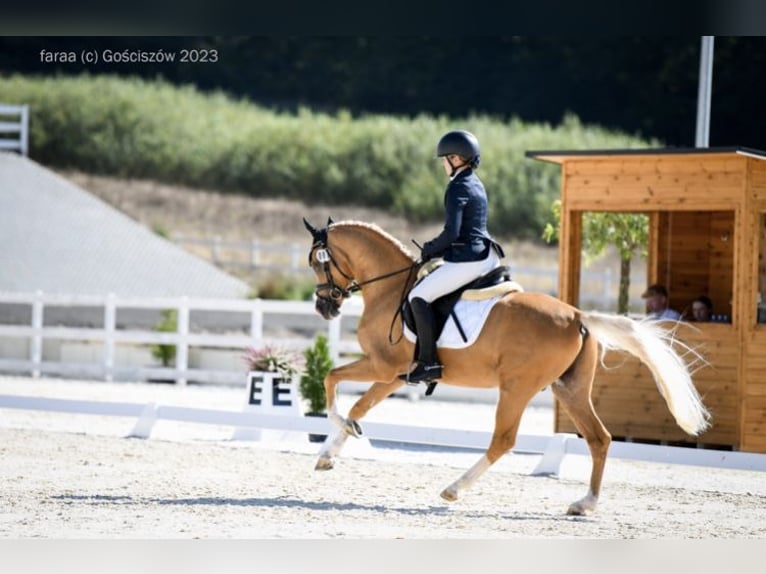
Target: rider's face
456, 160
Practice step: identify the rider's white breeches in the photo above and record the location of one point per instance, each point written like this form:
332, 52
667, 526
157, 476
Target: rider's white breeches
449, 276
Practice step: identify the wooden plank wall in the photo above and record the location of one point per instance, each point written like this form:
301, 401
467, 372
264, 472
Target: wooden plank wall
753, 387
655, 183
696, 257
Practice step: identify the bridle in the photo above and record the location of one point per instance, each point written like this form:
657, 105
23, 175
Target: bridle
335, 295
335, 292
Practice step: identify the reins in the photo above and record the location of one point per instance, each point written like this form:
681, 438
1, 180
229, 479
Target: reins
400, 308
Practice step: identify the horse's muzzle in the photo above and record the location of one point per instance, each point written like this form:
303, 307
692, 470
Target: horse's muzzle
327, 308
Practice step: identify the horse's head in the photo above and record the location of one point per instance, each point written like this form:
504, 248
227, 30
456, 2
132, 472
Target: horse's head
332, 282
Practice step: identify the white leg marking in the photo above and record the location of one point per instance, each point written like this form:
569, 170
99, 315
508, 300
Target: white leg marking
335, 417
330, 449
584, 505
452, 492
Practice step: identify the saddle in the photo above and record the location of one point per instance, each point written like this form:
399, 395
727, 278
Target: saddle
443, 307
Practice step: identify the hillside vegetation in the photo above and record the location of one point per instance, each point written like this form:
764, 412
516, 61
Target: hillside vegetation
152, 130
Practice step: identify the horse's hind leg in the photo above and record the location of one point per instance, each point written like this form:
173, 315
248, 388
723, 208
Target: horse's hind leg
507, 420
573, 391
376, 393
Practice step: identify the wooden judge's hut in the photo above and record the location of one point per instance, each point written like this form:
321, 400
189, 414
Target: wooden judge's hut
707, 236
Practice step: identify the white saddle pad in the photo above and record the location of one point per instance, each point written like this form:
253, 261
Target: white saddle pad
471, 314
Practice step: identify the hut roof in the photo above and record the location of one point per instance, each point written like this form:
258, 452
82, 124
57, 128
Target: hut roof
559, 156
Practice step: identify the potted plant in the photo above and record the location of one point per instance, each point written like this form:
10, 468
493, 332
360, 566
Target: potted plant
279, 365
318, 363
272, 359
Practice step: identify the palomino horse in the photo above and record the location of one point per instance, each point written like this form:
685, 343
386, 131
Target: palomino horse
529, 341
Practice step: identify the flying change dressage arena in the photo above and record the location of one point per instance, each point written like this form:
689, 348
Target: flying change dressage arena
529, 341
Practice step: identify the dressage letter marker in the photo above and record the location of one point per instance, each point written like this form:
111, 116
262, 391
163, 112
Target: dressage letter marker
269, 393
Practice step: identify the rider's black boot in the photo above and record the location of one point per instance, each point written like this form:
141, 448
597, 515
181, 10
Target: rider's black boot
426, 367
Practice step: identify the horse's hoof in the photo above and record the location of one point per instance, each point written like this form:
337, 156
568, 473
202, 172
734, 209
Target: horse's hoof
578, 509
449, 495
352, 427
583, 507
324, 464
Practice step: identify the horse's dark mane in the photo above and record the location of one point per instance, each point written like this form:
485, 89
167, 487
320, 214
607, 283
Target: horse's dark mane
376, 229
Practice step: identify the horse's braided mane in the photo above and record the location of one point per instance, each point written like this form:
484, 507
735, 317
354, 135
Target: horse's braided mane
376, 229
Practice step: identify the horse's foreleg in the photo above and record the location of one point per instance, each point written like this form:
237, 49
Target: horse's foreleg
330, 450
360, 370
376, 393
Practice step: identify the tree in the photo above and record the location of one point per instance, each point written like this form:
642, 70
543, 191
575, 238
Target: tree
628, 232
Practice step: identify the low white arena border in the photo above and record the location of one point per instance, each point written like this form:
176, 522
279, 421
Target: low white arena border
553, 448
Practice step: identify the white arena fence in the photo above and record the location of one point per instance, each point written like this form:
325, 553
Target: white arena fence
106, 337
14, 128
38, 347
553, 448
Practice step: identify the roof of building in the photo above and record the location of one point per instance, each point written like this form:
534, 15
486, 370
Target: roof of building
58, 238
559, 156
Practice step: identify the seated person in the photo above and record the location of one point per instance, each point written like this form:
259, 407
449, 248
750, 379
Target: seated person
657, 304
702, 308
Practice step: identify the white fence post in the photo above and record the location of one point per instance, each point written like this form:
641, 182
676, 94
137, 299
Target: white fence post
182, 348
110, 324
550, 464
36, 344
24, 136
145, 422
256, 322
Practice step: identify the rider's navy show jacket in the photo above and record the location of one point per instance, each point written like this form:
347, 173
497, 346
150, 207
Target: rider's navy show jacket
465, 236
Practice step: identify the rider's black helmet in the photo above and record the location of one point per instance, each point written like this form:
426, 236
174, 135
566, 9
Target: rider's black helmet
462, 143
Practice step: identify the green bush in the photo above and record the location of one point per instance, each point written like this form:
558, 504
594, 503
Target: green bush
134, 128
166, 354
318, 364
284, 287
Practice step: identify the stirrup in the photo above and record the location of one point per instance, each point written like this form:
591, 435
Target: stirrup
422, 373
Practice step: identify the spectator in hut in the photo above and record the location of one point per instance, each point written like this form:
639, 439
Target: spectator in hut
702, 309
657, 308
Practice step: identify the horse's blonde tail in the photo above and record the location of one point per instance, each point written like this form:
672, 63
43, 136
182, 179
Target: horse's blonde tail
651, 343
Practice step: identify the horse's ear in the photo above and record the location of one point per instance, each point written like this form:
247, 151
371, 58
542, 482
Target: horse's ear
311, 228
329, 221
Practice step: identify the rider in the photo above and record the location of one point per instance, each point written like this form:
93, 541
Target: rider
467, 248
